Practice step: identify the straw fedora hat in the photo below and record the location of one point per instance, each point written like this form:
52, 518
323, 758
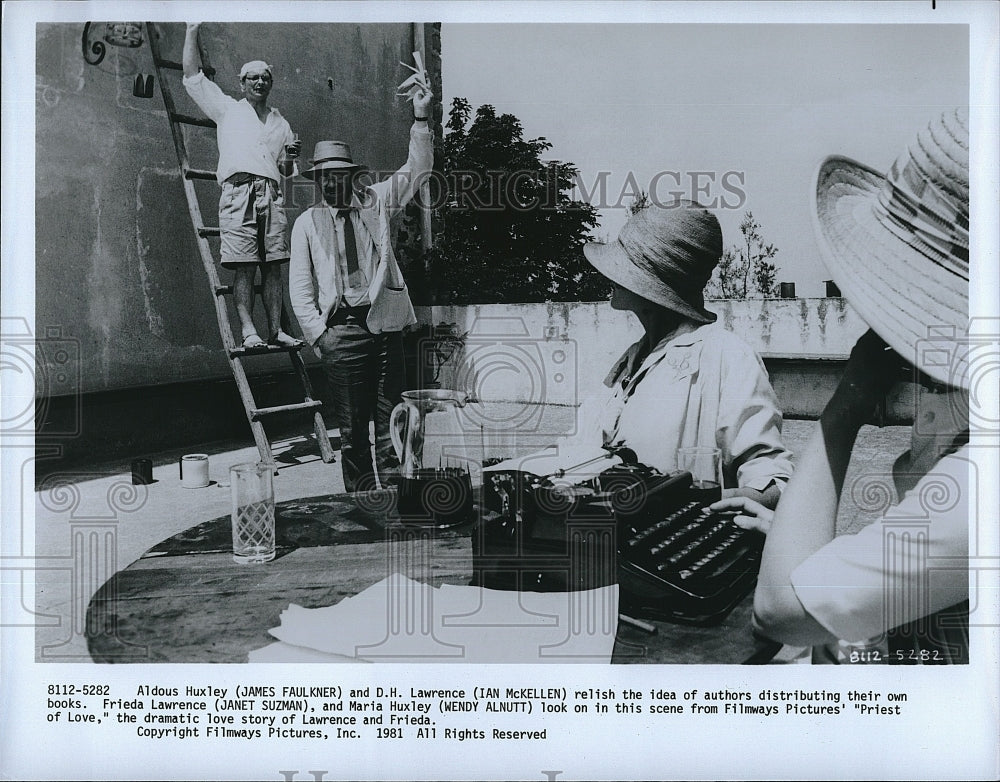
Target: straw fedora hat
897, 245
665, 254
331, 154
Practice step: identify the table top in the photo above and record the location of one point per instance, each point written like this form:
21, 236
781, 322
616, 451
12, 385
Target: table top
186, 600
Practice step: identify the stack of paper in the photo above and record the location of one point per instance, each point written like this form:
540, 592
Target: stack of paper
402, 620
572, 462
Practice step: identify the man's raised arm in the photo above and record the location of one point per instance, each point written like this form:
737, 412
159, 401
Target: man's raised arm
191, 59
203, 91
403, 185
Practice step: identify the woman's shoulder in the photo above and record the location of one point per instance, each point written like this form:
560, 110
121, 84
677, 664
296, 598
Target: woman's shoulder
727, 344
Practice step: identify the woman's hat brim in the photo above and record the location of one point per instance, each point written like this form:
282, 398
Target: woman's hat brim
613, 262
903, 295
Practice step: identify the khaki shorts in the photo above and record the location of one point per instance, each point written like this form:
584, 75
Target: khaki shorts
252, 222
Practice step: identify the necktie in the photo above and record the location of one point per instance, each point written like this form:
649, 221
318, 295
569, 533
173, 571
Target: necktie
355, 277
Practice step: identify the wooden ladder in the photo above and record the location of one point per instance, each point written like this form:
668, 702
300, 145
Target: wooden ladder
235, 353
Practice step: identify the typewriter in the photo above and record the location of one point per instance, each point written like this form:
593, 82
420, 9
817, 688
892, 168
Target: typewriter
575, 529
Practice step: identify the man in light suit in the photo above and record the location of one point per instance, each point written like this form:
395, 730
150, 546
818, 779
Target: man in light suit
349, 295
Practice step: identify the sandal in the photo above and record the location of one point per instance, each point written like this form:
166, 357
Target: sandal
285, 340
253, 340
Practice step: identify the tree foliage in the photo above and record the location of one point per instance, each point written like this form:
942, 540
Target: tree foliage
511, 231
746, 270
639, 203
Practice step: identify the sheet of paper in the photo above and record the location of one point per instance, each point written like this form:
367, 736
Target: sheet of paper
578, 462
399, 619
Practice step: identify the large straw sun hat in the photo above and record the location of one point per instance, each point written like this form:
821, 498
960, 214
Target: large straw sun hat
897, 244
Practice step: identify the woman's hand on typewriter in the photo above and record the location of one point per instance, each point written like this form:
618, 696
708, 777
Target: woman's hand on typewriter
749, 513
768, 498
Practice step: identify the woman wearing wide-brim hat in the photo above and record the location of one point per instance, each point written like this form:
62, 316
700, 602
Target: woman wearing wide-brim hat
897, 245
688, 382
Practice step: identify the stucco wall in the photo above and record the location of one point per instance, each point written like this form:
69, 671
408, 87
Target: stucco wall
556, 352
117, 269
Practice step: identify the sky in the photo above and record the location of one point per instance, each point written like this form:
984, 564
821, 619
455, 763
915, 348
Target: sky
757, 107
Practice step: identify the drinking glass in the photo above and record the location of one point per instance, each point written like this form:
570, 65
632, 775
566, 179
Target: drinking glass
252, 489
705, 465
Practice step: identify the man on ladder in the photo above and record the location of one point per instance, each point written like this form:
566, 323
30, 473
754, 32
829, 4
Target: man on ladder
256, 147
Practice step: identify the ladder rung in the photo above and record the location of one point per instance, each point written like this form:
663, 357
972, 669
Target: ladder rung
227, 290
242, 351
208, 230
187, 119
199, 173
169, 64
310, 405
176, 66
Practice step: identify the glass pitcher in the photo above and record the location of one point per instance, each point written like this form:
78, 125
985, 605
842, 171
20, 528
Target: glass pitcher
434, 481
